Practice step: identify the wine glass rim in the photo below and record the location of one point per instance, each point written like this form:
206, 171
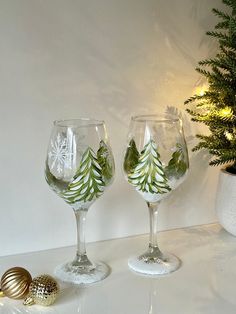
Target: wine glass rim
78, 122
156, 118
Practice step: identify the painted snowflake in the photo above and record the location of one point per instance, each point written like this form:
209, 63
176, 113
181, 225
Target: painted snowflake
59, 154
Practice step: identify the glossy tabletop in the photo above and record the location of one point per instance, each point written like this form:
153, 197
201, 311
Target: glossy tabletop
205, 283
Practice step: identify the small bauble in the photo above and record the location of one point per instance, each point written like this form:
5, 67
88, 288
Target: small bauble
15, 283
43, 290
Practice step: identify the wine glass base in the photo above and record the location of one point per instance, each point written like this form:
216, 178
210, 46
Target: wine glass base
74, 274
161, 266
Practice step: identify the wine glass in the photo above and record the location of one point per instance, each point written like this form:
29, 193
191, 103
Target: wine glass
155, 163
79, 167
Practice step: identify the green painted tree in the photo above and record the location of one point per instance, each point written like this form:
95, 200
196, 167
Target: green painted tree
177, 165
216, 108
131, 157
87, 184
148, 175
105, 162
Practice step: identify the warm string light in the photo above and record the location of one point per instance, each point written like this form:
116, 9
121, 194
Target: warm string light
204, 106
200, 90
226, 112
223, 113
229, 135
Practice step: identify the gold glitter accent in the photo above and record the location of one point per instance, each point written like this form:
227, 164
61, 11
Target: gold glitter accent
43, 290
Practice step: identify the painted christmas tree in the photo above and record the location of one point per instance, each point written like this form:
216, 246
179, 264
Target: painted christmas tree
177, 165
87, 184
148, 176
131, 157
105, 161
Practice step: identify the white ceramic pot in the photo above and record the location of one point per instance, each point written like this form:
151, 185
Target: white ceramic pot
226, 201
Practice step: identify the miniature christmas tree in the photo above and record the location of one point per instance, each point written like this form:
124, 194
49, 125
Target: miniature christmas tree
87, 184
148, 175
131, 157
217, 106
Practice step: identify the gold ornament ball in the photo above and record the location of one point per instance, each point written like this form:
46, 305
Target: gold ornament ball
43, 290
15, 283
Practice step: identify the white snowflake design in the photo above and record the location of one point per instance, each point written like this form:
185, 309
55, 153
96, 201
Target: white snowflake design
59, 154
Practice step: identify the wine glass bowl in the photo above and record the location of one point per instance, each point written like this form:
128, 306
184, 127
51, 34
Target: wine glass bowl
79, 167
155, 164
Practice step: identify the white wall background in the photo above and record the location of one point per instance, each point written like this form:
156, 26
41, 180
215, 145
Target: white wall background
107, 59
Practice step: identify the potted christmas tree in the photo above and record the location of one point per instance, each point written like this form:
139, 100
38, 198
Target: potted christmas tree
216, 108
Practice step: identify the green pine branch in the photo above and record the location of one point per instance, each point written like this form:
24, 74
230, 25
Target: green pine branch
216, 108
219, 35
222, 25
221, 14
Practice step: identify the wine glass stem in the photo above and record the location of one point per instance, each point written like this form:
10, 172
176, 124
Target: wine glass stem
153, 213
81, 258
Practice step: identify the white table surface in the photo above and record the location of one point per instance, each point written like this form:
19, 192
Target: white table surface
206, 282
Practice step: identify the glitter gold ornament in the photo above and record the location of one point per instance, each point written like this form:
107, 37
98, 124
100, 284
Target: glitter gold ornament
43, 290
15, 283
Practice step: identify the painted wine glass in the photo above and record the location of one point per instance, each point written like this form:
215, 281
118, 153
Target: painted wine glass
155, 163
79, 168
